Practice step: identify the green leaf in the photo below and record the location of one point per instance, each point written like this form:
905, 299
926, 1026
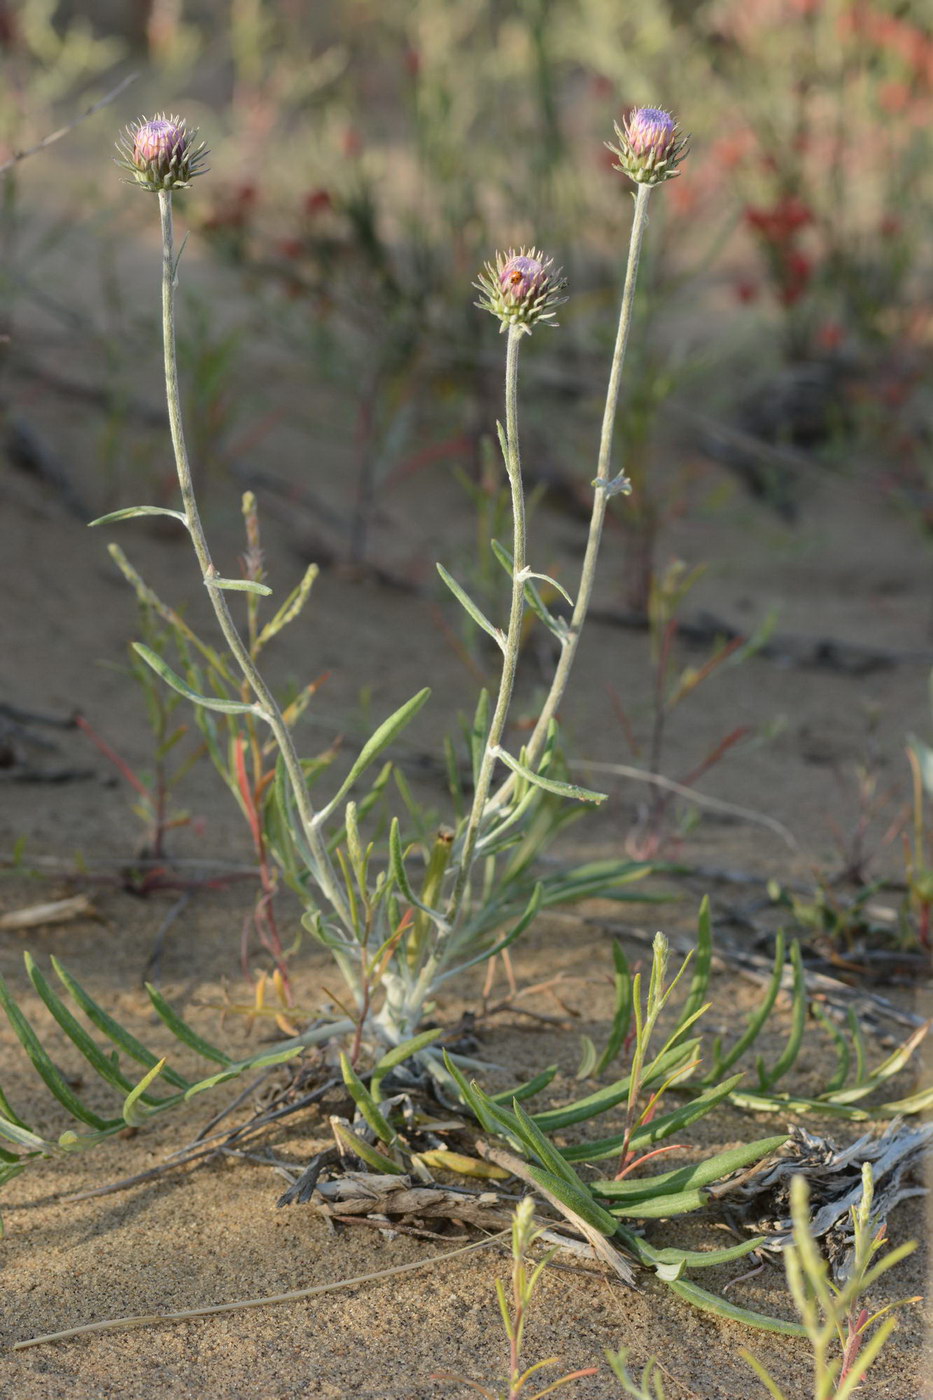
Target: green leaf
622, 982
576, 1198
290, 609
384, 735
234, 1070
924, 756
607, 1097
490, 1116
537, 1144
76, 1033
47, 1070
684, 1178
703, 962
22, 1137
757, 1021
399, 1055
659, 1128
700, 1258
580, 794
239, 585
120, 1036
711, 1302
131, 511
528, 1089
209, 702
134, 1115
366, 1153
182, 1031
843, 1053
587, 1058
533, 598
527, 917
663, 1207
466, 602
768, 1078
366, 1103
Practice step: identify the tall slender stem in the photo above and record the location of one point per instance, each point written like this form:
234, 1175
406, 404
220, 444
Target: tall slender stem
600, 502
322, 868
513, 637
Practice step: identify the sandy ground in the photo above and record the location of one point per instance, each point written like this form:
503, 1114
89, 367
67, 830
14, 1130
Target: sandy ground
851, 569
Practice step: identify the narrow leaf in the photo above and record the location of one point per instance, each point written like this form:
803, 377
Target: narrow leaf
131, 511
399, 1055
134, 1115
239, 585
710, 1302
365, 1151
384, 735
466, 602
104, 1022
182, 1031
580, 794
49, 1072
209, 702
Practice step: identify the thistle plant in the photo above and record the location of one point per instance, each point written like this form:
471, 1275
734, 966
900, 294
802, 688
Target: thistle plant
395, 940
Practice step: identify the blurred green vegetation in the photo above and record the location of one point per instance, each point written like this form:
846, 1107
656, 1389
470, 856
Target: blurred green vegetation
367, 158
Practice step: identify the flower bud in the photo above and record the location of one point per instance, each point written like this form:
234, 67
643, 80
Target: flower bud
161, 154
650, 146
521, 289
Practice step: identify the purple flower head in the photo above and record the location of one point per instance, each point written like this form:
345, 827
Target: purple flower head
521, 288
522, 277
158, 142
650, 146
161, 154
651, 131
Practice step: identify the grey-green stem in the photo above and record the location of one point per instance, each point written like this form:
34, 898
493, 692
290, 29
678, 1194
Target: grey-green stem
512, 641
323, 869
600, 503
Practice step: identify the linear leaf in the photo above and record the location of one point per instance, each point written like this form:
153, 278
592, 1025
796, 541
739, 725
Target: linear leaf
753, 1029
622, 984
659, 1128
366, 1103
134, 1115
711, 1302
768, 1078
384, 735
576, 1197
580, 794
548, 1155
233, 1071
399, 1055
528, 1089
47, 1070
239, 585
22, 1137
466, 602
365, 1151
699, 983
120, 1036
131, 511
76, 1033
683, 1178
209, 702
607, 1097
182, 1031
701, 1258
